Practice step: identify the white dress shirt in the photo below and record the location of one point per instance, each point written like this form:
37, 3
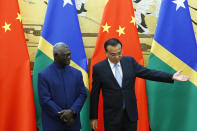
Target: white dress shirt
112, 65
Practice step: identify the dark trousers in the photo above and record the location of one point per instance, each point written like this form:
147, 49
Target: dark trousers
124, 125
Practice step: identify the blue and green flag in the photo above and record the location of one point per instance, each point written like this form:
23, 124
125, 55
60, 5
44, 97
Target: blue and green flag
172, 107
61, 25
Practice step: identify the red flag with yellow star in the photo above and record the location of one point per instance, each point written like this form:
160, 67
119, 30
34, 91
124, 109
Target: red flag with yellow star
119, 22
17, 111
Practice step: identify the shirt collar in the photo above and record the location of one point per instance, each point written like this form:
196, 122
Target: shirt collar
112, 64
59, 67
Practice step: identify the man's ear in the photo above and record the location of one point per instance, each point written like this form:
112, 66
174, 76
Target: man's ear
55, 55
106, 54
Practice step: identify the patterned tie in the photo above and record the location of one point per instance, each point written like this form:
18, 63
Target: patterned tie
117, 75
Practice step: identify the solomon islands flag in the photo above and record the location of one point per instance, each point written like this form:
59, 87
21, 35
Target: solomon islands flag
172, 107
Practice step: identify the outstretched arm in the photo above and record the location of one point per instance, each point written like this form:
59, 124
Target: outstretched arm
177, 76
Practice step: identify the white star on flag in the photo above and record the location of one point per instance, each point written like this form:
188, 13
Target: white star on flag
67, 2
179, 3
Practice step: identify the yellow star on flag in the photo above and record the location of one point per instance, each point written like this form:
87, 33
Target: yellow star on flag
133, 20
120, 30
6, 26
18, 17
106, 27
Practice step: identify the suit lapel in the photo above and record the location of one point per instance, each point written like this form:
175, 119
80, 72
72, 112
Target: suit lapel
123, 72
110, 72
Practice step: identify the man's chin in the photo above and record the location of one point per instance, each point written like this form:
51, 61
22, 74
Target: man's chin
115, 62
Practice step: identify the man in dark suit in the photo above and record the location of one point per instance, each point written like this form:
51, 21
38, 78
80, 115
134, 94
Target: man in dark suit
61, 92
116, 77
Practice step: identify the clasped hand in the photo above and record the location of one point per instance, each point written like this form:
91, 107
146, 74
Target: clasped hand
67, 116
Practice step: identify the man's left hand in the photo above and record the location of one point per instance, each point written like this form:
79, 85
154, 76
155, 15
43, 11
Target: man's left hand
70, 122
177, 76
66, 114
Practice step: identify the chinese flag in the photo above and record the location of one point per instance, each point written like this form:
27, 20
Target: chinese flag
119, 22
17, 111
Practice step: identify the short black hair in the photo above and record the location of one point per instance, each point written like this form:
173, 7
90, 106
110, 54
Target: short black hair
112, 42
57, 46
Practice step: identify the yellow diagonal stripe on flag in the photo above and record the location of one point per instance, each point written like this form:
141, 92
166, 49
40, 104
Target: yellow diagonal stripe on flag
173, 61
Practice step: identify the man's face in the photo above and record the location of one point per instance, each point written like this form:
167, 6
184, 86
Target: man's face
114, 53
63, 56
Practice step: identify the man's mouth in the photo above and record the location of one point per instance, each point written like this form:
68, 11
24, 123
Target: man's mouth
67, 61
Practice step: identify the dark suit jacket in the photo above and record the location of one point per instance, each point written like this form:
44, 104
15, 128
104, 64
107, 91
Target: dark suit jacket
113, 95
60, 89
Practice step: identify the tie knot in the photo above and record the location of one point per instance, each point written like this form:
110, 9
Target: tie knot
116, 65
